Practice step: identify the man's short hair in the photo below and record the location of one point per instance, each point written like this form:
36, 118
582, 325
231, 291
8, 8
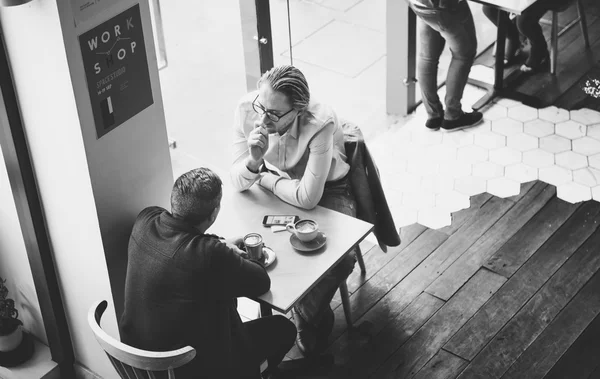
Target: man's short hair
195, 195
291, 82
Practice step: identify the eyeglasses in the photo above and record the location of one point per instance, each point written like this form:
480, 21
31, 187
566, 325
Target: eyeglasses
261, 110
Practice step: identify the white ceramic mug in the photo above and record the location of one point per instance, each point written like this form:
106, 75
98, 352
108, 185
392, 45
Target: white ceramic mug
306, 230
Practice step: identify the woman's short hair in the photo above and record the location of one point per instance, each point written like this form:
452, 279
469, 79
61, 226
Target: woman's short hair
289, 81
195, 195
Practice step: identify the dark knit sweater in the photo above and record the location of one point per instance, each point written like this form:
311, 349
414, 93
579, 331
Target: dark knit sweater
181, 289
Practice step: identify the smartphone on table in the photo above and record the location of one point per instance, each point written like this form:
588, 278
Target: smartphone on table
270, 220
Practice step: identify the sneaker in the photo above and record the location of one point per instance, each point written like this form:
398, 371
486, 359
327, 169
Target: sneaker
434, 124
465, 121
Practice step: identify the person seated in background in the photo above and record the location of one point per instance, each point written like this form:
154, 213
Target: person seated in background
182, 284
294, 147
444, 21
527, 24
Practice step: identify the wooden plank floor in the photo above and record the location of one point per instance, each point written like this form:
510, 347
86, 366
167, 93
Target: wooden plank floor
576, 65
510, 290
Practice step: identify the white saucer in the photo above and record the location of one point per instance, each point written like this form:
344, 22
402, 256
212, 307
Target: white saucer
270, 256
313, 245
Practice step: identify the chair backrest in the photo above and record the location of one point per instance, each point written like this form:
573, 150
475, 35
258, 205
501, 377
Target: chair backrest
136, 363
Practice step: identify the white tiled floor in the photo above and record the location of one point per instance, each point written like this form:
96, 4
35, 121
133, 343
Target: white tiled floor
428, 175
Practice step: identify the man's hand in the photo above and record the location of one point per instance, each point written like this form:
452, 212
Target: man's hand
258, 144
237, 244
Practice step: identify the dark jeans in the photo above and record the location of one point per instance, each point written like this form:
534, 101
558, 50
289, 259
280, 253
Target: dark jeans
528, 24
337, 196
456, 27
271, 338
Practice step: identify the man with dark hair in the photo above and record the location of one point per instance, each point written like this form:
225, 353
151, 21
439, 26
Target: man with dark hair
182, 284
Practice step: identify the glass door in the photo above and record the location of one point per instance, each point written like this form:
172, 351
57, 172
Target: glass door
214, 56
343, 48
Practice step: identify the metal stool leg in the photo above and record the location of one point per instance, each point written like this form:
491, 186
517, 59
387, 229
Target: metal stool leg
360, 260
346, 302
583, 23
554, 43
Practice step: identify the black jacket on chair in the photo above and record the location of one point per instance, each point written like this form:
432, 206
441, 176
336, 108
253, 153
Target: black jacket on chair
370, 200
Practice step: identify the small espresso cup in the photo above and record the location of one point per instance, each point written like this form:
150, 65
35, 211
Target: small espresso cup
254, 244
306, 230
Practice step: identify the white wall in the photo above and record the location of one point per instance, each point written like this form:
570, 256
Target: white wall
14, 264
91, 189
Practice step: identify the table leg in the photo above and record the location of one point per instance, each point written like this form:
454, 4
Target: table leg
498, 66
498, 88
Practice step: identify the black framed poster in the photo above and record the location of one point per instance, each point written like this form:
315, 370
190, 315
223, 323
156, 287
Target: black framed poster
116, 70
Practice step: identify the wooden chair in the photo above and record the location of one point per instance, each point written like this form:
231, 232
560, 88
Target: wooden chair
555, 32
132, 363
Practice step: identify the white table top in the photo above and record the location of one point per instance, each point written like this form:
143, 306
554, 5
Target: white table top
293, 273
512, 6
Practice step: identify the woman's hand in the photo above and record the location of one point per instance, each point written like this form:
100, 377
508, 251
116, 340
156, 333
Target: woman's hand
258, 144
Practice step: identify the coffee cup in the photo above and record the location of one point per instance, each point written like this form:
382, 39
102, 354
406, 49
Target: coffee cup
254, 244
305, 230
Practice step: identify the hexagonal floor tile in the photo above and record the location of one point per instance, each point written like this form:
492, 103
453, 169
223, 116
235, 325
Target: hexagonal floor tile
522, 142
470, 185
555, 175
404, 216
437, 183
440, 152
489, 140
452, 201
508, 103
573, 192
570, 129
471, 154
455, 168
425, 137
594, 131
523, 113
418, 200
495, 112
596, 193
538, 158
571, 160
488, 170
585, 116
434, 218
555, 144
507, 126
586, 146
587, 176
482, 127
421, 167
505, 156
553, 114
403, 181
539, 128
594, 161
503, 187
521, 172
457, 139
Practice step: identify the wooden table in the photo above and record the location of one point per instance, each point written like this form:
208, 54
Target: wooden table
498, 89
293, 273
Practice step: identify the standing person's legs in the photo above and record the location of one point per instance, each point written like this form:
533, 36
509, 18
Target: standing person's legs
271, 338
458, 28
314, 308
431, 45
